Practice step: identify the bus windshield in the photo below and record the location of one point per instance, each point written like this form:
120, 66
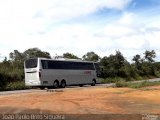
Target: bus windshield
31, 63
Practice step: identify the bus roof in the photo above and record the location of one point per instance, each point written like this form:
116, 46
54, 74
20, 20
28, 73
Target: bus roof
65, 59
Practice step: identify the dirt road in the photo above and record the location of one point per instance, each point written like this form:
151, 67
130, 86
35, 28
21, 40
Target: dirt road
84, 101
89, 100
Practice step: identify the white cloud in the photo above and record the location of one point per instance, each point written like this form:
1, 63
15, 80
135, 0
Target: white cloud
63, 9
34, 15
29, 16
127, 19
43, 23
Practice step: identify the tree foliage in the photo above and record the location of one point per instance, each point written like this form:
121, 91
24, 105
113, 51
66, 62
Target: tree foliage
145, 65
17, 58
11, 70
138, 61
35, 52
91, 56
70, 56
113, 64
150, 55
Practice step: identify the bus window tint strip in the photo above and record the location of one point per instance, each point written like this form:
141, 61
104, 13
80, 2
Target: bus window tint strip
48, 64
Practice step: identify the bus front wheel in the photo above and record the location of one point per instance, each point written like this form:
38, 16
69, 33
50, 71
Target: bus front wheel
56, 84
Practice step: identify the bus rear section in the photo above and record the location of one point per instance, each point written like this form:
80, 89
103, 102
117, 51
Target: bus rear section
32, 72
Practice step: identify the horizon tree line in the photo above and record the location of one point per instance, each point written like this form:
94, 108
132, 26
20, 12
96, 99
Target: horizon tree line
114, 65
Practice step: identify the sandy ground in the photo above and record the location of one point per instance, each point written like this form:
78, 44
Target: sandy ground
87, 100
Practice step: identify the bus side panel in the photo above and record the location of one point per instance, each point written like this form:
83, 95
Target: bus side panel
70, 76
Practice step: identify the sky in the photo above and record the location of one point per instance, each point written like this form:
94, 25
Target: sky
80, 26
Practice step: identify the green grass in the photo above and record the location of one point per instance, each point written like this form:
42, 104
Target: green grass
120, 79
121, 83
135, 85
111, 80
157, 73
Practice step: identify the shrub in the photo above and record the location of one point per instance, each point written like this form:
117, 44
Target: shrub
136, 85
19, 85
111, 79
3, 81
157, 73
121, 83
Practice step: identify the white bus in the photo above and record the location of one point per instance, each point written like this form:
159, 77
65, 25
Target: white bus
43, 72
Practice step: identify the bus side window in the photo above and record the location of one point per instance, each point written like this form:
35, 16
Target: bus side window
44, 64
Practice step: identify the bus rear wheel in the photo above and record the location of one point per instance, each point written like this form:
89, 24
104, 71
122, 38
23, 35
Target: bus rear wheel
42, 87
93, 82
63, 84
56, 84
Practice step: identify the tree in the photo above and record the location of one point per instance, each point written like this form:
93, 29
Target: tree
138, 61
150, 55
119, 60
17, 59
113, 64
148, 66
91, 56
145, 66
70, 56
6, 62
16, 56
35, 52
108, 66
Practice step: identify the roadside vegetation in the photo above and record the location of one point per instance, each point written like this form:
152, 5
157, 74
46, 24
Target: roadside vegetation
115, 67
122, 83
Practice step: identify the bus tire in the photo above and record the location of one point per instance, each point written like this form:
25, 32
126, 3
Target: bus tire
93, 82
56, 84
42, 87
81, 85
63, 84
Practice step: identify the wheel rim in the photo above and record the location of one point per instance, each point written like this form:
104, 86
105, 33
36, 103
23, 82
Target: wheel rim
63, 84
55, 84
93, 82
